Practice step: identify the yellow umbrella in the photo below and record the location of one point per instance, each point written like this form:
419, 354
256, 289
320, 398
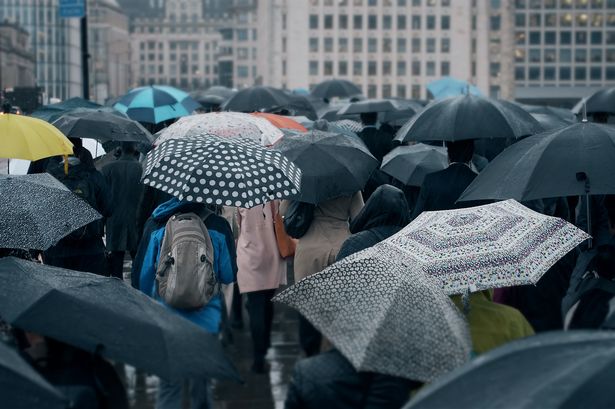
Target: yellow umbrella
23, 137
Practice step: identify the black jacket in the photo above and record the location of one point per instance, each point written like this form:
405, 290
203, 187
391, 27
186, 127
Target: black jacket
440, 190
377, 141
123, 178
329, 381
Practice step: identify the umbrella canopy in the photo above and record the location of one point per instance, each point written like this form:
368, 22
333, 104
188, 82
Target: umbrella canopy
332, 164
560, 113
37, 211
227, 125
410, 164
296, 105
215, 95
602, 101
104, 315
51, 112
407, 109
550, 122
22, 387
348, 125
384, 315
369, 105
219, 171
156, 103
457, 118
256, 98
22, 137
282, 122
572, 369
450, 87
335, 88
576, 160
497, 245
103, 126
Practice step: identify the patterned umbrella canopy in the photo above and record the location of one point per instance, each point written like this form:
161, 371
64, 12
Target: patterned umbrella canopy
37, 211
228, 125
210, 169
155, 104
491, 246
384, 314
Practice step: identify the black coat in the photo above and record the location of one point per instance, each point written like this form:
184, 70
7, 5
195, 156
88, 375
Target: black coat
330, 381
123, 178
377, 141
440, 190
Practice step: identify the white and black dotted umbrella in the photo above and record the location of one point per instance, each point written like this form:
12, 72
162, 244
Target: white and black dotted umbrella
219, 171
384, 314
497, 245
37, 211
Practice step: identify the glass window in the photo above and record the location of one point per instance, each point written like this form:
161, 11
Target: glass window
401, 91
549, 74
580, 73
495, 4
534, 73
431, 45
416, 68
595, 73
445, 68
596, 55
372, 45
401, 22
401, 68
597, 20
342, 21
519, 55
357, 45
495, 23
445, 45
596, 37
535, 20
430, 68
386, 67
445, 22
416, 45
520, 37
328, 68
416, 22
416, 91
357, 68
534, 37
386, 91
610, 37
494, 69
565, 55
431, 22
401, 3
610, 55
550, 37
387, 22
565, 19
610, 73
534, 55
565, 4
328, 21
357, 22
313, 67
565, 37
401, 45
372, 22
550, 20
371, 68
564, 74
580, 55
371, 91
550, 55
519, 73
580, 37
342, 44
328, 44
520, 20
582, 19
313, 44
313, 21
387, 45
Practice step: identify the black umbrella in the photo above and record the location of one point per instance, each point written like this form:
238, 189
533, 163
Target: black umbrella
369, 105
21, 387
37, 211
256, 98
573, 369
399, 117
52, 112
550, 122
103, 126
410, 164
297, 105
104, 315
560, 113
602, 101
332, 164
469, 117
335, 88
212, 96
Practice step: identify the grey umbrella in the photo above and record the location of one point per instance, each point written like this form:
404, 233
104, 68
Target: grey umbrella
572, 369
103, 126
104, 315
335, 88
550, 122
369, 105
410, 164
561, 113
384, 314
37, 211
602, 101
469, 117
21, 387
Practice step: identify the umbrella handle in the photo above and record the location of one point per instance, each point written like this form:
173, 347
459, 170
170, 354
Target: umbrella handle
66, 164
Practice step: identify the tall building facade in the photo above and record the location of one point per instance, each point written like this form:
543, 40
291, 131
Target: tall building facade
55, 42
565, 49
110, 50
16, 61
174, 43
390, 48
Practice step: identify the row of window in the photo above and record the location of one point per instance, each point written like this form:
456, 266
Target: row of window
343, 22
565, 55
385, 3
372, 45
564, 4
184, 83
565, 37
564, 19
386, 68
564, 73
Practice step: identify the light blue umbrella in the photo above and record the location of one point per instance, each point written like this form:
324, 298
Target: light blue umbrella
156, 103
450, 87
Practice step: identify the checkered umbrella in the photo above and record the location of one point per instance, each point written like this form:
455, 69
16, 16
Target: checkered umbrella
155, 104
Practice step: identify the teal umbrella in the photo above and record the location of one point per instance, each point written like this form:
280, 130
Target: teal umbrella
156, 103
450, 87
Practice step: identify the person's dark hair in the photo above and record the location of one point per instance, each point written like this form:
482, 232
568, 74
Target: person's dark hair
128, 148
603, 262
369, 118
84, 156
460, 151
77, 142
609, 205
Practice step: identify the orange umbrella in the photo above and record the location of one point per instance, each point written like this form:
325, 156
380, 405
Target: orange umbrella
282, 122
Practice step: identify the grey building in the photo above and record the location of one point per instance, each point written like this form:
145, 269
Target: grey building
16, 61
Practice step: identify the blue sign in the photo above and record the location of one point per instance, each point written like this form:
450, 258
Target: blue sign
72, 8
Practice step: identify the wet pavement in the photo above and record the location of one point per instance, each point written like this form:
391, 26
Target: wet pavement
259, 391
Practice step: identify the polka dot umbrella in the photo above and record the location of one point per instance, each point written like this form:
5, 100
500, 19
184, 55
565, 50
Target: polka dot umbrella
210, 169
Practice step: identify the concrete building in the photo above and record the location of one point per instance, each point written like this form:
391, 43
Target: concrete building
390, 48
16, 61
239, 50
565, 50
109, 46
174, 43
55, 42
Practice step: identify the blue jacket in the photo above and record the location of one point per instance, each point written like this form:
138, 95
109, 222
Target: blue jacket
210, 315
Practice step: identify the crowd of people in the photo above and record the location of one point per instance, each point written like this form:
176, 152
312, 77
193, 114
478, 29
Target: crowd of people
243, 248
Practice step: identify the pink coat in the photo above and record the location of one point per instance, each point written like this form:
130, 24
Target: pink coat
259, 264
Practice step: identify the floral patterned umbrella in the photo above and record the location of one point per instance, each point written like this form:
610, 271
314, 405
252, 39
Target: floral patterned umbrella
224, 125
384, 314
497, 245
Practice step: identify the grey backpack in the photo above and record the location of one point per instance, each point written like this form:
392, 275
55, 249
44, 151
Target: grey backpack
185, 272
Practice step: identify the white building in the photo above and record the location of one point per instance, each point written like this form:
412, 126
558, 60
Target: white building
390, 48
565, 49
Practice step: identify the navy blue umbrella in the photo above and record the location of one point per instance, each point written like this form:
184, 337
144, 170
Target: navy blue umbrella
156, 103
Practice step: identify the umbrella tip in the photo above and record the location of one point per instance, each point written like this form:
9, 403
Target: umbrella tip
584, 112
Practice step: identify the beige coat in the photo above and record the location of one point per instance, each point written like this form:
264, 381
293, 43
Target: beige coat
259, 265
319, 246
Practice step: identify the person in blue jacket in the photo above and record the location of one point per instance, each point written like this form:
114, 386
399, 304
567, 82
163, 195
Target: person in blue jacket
208, 317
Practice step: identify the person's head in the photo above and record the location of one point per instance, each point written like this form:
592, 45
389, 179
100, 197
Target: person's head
387, 206
369, 118
600, 117
603, 263
609, 204
460, 151
128, 148
77, 142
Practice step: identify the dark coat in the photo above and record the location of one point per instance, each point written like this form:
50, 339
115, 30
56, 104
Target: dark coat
329, 381
377, 141
123, 178
440, 190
